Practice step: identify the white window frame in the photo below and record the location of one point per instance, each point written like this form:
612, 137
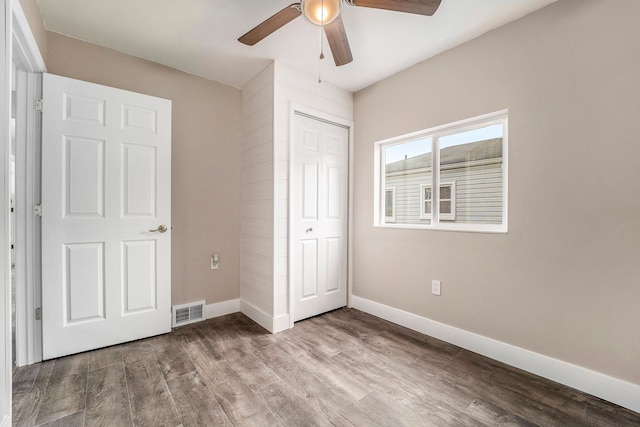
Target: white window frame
438, 221
391, 218
451, 216
423, 200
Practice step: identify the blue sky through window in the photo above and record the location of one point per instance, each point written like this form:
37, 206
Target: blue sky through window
406, 150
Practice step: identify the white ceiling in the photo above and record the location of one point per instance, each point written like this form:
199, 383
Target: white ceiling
200, 36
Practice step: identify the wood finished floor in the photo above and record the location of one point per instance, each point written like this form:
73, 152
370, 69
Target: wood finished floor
343, 368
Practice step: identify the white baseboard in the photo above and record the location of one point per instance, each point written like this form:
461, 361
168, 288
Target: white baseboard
257, 315
280, 323
614, 390
222, 308
271, 324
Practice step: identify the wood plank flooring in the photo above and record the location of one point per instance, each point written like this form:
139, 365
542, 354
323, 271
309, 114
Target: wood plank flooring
344, 368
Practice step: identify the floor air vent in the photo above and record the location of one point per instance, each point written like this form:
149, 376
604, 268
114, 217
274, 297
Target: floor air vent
188, 313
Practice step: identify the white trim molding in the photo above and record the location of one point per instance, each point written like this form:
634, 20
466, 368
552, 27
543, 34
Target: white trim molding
5, 257
614, 390
27, 225
28, 59
271, 324
281, 323
223, 308
25, 49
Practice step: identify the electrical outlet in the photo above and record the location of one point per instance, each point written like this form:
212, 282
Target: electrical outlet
214, 262
435, 287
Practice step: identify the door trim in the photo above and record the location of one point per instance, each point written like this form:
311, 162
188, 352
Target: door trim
28, 59
27, 254
339, 121
5, 257
26, 53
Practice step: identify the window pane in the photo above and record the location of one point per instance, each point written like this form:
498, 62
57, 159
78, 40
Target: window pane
388, 203
408, 168
445, 192
473, 161
427, 208
427, 193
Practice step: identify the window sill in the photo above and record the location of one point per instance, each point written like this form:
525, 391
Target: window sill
497, 229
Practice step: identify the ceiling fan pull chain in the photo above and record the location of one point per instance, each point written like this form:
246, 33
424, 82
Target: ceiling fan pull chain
321, 54
321, 43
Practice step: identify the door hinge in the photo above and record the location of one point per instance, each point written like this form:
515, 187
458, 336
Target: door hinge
38, 313
37, 210
39, 105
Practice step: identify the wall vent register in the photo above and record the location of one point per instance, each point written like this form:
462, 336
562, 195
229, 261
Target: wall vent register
188, 313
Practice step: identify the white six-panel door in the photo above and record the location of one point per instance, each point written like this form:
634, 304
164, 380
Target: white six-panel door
319, 216
106, 182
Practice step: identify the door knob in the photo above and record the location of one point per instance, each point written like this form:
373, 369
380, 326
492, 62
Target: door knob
161, 229
308, 230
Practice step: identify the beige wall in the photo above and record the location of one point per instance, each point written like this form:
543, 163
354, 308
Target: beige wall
32, 13
205, 161
565, 280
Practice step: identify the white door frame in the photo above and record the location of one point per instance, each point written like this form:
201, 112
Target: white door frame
16, 37
329, 118
27, 227
26, 55
5, 257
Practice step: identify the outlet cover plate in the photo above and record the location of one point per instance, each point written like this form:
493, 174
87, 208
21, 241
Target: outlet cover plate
435, 287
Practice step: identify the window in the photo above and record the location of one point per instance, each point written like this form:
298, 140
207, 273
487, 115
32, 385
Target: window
467, 161
425, 201
447, 201
390, 204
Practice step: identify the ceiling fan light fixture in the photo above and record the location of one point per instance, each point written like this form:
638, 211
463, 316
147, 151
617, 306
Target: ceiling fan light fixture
321, 12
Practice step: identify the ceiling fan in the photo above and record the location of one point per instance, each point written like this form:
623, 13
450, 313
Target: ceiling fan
326, 13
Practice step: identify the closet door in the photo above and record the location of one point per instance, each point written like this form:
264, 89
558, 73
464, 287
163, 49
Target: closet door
320, 160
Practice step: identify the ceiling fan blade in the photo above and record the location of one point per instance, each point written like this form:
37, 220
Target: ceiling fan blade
420, 7
338, 42
272, 24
